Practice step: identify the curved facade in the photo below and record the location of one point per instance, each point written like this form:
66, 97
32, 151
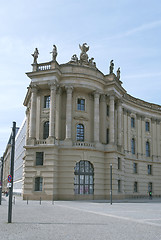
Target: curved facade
79, 121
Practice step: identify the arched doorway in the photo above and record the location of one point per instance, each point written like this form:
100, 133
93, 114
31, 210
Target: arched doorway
84, 178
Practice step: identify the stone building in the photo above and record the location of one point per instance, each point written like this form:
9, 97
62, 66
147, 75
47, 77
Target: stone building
79, 121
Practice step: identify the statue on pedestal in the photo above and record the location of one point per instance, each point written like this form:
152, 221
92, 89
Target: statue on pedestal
54, 53
111, 67
74, 59
35, 56
83, 56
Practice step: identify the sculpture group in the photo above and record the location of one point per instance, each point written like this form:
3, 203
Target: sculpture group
84, 59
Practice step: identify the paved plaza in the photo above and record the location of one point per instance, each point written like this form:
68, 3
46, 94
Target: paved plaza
76, 220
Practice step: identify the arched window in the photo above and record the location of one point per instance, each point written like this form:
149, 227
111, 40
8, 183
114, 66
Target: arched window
84, 178
133, 146
80, 132
147, 149
46, 130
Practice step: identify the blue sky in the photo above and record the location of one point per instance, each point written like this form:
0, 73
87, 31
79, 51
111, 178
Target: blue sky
127, 31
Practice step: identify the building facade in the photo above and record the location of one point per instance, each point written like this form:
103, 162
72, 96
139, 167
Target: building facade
79, 121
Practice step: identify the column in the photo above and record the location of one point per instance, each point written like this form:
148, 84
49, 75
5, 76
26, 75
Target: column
138, 134
112, 119
125, 131
119, 123
58, 111
96, 117
103, 115
69, 90
129, 131
158, 138
32, 130
52, 110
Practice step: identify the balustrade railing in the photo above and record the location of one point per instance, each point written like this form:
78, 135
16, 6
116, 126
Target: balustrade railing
83, 144
43, 66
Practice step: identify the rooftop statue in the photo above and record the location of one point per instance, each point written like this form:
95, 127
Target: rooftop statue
118, 73
91, 62
35, 56
111, 67
84, 56
54, 53
74, 59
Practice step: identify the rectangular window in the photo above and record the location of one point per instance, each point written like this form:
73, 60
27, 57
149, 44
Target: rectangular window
107, 111
135, 187
107, 136
149, 169
135, 167
132, 122
81, 104
39, 158
133, 146
46, 101
119, 185
147, 126
38, 183
119, 163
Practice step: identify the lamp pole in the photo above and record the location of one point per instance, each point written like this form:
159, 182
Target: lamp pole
11, 172
111, 184
1, 181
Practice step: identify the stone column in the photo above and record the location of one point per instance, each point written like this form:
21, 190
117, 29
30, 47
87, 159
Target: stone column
58, 111
103, 115
96, 117
125, 131
69, 90
139, 135
119, 123
129, 131
112, 119
32, 130
52, 110
158, 138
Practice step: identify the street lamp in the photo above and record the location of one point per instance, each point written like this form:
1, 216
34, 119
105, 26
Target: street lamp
1, 180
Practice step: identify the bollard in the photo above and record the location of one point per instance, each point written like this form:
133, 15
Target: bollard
14, 200
27, 200
40, 200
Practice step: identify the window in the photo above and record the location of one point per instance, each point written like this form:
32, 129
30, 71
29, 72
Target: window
38, 183
147, 126
147, 149
135, 186
149, 169
119, 163
80, 132
46, 101
107, 136
135, 167
107, 111
119, 185
81, 104
132, 122
46, 130
150, 187
39, 158
133, 146
84, 178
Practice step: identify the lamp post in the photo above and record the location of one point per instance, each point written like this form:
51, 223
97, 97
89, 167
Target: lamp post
1, 180
111, 184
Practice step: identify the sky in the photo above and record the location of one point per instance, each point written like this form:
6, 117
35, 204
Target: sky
127, 31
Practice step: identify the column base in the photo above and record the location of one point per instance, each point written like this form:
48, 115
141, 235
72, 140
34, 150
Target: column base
50, 140
68, 142
31, 141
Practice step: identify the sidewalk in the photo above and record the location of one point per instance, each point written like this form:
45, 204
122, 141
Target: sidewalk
81, 220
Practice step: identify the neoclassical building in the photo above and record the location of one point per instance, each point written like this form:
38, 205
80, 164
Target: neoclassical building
79, 121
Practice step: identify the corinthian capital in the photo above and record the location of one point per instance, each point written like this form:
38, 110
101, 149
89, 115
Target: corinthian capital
69, 89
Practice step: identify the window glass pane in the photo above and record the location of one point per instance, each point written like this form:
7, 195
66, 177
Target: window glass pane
86, 166
81, 179
80, 132
86, 189
39, 158
46, 130
47, 102
81, 104
81, 189
91, 179
76, 179
81, 166
86, 179
132, 122
91, 189
76, 189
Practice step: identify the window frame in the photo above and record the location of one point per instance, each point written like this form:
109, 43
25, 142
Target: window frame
47, 101
80, 132
45, 130
132, 122
135, 168
149, 169
147, 126
135, 187
39, 159
147, 148
38, 184
133, 146
81, 106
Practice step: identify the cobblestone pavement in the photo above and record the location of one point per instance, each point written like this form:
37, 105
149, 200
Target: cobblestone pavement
72, 220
